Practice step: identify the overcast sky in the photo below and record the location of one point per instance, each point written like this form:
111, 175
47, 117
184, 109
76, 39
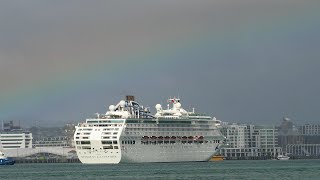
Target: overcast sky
248, 61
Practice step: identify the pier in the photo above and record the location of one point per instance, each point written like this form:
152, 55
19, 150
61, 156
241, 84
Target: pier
55, 160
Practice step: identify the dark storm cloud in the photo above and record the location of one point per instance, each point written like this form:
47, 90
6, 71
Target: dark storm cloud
242, 61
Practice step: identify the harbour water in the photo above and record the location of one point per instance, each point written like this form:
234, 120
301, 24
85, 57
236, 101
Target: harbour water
230, 169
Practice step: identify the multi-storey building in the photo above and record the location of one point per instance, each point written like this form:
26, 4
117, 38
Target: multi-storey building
69, 130
303, 149
60, 141
9, 126
309, 144
14, 140
288, 134
310, 129
236, 135
250, 141
53, 136
266, 138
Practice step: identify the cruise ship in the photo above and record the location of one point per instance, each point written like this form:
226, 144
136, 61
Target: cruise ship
129, 133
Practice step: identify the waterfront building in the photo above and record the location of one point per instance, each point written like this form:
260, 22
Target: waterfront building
310, 133
250, 141
69, 130
15, 139
60, 141
53, 136
10, 126
266, 138
235, 135
309, 141
303, 149
288, 134
310, 129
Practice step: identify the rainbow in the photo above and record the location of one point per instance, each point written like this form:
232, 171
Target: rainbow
19, 101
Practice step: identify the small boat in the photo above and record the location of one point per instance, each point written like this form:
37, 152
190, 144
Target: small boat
5, 160
283, 157
217, 158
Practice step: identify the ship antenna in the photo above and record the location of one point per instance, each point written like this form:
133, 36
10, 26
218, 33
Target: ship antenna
178, 93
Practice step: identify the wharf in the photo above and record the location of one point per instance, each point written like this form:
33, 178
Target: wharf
56, 160
270, 157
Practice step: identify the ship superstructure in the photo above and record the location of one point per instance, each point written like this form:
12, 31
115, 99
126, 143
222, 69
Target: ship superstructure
128, 132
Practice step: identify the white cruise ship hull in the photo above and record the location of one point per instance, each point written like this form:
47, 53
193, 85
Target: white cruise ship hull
174, 153
129, 133
131, 149
150, 154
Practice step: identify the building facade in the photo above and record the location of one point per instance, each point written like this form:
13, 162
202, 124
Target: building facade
310, 129
309, 144
250, 141
60, 141
303, 149
14, 140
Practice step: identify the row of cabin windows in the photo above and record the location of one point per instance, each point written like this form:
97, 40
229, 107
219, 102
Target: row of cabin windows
103, 142
105, 125
103, 137
160, 125
110, 147
167, 133
166, 129
173, 142
108, 137
129, 142
105, 133
85, 129
104, 147
108, 125
109, 142
182, 142
111, 129
107, 129
83, 142
86, 133
109, 133
85, 137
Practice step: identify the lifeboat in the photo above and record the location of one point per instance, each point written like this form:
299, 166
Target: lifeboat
160, 139
144, 139
153, 137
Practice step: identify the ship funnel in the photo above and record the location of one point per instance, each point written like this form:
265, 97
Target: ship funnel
130, 98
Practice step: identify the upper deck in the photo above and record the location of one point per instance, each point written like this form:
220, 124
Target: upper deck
130, 111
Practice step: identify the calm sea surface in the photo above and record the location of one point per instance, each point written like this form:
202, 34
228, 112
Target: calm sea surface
241, 169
